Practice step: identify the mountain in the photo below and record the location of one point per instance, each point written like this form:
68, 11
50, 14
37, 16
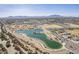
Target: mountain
55, 16
50, 16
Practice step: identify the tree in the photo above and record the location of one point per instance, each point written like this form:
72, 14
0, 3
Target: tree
8, 44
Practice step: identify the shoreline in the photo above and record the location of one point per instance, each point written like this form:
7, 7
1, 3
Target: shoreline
43, 45
40, 44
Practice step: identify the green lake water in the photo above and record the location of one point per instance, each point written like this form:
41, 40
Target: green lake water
49, 43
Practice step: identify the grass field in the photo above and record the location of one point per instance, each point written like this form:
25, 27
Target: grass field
52, 26
73, 32
74, 25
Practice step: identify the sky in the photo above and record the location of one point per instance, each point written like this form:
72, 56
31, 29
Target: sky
39, 10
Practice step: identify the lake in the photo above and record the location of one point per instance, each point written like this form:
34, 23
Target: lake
37, 33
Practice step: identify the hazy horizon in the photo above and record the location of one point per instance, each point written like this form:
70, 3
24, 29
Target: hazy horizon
39, 10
